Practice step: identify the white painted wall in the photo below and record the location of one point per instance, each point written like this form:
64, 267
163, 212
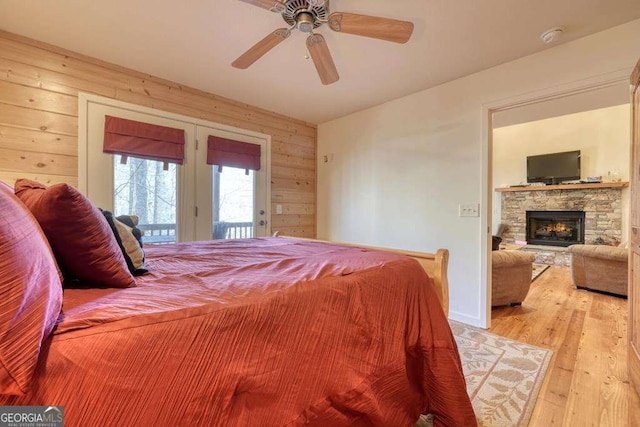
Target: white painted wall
400, 169
586, 101
603, 137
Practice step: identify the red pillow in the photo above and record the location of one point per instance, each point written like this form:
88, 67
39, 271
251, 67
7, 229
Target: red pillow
82, 241
31, 292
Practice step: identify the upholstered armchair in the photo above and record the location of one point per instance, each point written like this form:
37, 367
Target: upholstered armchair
600, 267
510, 276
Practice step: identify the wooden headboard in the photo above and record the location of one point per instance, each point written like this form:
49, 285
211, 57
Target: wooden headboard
434, 264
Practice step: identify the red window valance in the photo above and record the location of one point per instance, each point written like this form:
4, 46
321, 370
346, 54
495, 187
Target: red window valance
144, 140
236, 154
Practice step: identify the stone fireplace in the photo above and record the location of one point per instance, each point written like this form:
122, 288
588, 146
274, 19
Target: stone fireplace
555, 228
602, 208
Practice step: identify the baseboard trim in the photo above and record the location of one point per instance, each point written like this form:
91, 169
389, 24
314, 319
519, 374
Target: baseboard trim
463, 318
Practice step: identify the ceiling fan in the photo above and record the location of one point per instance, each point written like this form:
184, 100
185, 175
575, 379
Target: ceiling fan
307, 15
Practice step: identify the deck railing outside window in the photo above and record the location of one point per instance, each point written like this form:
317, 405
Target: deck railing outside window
166, 233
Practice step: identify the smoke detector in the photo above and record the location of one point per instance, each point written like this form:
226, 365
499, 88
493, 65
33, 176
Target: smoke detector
551, 35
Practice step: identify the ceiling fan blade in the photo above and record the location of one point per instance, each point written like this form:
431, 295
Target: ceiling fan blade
272, 5
371, 26
261, 48
322, 59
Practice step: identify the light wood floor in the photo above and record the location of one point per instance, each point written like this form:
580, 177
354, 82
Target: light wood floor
587, 382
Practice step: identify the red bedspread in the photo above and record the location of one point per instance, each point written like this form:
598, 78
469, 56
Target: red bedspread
259, 332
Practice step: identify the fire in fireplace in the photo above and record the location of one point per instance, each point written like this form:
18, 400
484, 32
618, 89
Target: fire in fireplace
555, 228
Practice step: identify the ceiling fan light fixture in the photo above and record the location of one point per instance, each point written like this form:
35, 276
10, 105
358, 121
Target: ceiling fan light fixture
314, 3
305, 22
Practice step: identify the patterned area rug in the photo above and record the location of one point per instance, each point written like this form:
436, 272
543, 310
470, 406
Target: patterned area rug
538, 269
503, 376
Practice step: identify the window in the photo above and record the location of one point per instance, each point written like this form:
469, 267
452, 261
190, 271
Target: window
144, 188
233, 203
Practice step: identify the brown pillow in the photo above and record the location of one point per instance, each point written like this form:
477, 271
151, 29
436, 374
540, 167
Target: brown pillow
128, 241
79, 234
31, 291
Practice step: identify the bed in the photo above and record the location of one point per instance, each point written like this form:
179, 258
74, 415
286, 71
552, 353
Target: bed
267, 331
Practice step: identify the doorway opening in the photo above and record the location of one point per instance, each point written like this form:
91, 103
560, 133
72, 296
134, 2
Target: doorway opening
596, 94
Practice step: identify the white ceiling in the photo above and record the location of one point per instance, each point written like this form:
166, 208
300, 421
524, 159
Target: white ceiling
193, 42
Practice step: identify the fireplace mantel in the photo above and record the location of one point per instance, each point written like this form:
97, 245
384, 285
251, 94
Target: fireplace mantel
619, 184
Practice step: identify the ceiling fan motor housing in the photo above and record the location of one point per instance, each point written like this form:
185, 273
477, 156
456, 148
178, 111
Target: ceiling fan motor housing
305, 17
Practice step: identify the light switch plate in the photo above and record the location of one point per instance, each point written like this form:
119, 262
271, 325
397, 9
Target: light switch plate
470, 209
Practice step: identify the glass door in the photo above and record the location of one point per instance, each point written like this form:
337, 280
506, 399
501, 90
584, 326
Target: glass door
232, 203
160, 198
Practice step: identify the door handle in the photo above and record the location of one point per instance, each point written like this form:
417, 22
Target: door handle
262, 222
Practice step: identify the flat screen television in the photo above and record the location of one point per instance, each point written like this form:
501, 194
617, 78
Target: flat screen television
554, 168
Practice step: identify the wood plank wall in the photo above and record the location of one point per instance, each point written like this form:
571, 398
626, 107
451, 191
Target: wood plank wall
39, 86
